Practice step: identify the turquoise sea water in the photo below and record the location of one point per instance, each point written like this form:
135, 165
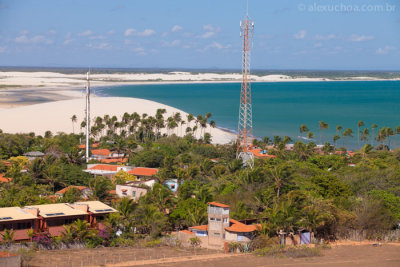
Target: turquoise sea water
280, 108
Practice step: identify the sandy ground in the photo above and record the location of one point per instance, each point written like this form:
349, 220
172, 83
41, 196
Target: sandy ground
366, 255
56, 116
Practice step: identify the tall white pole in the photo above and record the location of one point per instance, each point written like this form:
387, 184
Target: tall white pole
87, 115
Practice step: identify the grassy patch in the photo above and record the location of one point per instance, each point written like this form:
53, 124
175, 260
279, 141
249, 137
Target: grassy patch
289, 252
3, 86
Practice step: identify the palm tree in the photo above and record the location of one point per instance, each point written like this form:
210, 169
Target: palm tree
397, 131
303, 129
359, 124
310, 135
365, 150
347, 133
373, 127
212, 125
323, 126
177, 118
338, 129
389, 133
189, 117
364, 135
278, 176
73, 119
336, 137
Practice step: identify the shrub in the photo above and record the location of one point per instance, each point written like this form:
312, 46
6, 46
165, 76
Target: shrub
153, 243
195, 241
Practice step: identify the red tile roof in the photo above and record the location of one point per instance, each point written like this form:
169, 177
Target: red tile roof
62, 191
257, 153
104, 167
218, 204
101, 152
3, 179
187, 232
83, 146
239, 227
140, 171
200, 227
114, 160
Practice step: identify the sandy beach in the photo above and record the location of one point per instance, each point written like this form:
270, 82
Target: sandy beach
56, 116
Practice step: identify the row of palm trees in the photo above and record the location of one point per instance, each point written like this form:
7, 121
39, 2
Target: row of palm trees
145, 126
363, 134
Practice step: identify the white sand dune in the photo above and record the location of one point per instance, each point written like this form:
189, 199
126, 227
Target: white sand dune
56, 116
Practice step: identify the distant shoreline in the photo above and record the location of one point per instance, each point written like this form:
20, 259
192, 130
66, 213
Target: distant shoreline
27, 88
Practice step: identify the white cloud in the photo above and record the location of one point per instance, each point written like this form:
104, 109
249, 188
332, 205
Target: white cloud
139, 51
317, 45
85, 33
68, 39
110, 32
37, 39
22, 39
171, 44
97, 37
325, 37
52, 32
129, 32
3, 49
300, 35
102, 46
209, 27
385, 50
145, 33
210, 31
176, 28
215, 45
360, 38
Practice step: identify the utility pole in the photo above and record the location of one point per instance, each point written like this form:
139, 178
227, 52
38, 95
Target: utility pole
87, 116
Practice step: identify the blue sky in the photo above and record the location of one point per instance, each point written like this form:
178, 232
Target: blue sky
289, 34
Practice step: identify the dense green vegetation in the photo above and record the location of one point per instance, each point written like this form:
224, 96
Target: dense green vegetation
330, 194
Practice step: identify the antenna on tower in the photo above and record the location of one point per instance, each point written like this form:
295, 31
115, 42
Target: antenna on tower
87, 115
245, 125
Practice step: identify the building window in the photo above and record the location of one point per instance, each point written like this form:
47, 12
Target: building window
133, 193
217, 234
225, 220
218, 219
212, 219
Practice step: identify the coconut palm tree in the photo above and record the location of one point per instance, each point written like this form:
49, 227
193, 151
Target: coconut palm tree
303, 129
359, 125
347, 133
323, 126
338, 129
365, 150
212, 125
389, 133
73, 119
336, 137
364, 135
310, 135
373, 127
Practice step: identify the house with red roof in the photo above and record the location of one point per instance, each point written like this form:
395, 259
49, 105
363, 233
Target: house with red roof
260, 153
4, 179
106, 170
86, 192
99, 154
220, 229
142, 172
83, 146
